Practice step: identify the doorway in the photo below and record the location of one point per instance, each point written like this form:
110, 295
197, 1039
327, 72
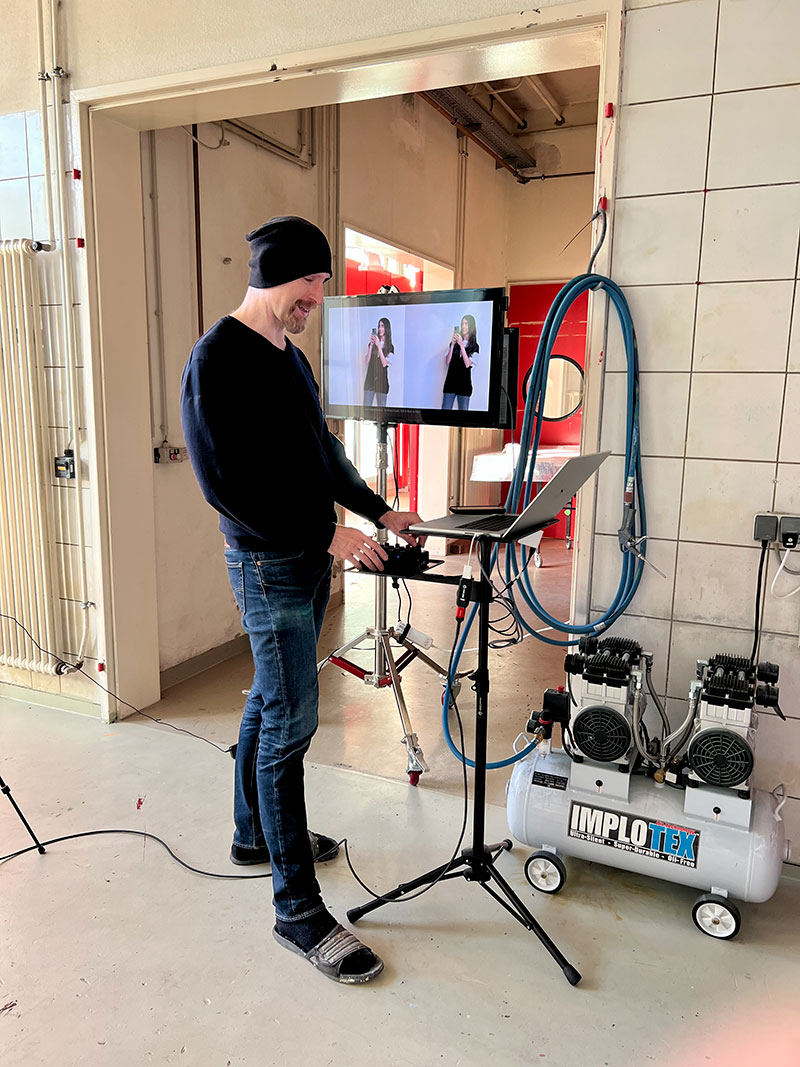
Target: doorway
579, 35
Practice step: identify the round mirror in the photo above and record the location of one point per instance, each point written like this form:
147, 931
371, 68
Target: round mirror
564, 394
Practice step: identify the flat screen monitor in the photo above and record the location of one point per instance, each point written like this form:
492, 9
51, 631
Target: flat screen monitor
441, 357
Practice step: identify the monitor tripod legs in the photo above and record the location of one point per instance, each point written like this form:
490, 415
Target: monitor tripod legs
416, 760
476, 867
7, 791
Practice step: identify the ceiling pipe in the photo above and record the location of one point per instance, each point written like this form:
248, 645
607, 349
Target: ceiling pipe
553, 106
468, 133
521, 123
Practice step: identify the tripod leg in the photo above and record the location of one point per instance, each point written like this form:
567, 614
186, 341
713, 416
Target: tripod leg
341, 651
416, 760
525, 917
7, 790
354, 914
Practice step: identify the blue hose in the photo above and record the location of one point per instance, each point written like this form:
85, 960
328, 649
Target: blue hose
633, 528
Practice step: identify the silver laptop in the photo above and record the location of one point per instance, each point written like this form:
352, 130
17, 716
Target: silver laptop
541, 512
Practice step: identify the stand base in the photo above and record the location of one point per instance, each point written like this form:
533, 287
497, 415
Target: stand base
477, 866
390, 679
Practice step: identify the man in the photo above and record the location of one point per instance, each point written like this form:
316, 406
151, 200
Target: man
265, 459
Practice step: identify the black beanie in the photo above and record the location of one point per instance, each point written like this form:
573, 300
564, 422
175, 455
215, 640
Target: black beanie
287, 248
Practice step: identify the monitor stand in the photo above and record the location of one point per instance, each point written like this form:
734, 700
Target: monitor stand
385, 668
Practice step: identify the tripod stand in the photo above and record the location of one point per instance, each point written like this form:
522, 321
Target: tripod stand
385, 668
6, 789
477, 862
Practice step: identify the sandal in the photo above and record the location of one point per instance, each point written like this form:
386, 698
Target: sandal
331, 952
322, 848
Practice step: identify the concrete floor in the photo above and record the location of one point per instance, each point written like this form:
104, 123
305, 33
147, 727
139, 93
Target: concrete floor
112, 953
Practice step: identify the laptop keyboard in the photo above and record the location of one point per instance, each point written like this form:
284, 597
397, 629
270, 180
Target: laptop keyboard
490, 523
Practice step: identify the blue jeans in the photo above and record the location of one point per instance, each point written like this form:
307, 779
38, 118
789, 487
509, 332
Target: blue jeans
449, 398
282, 596
374, 400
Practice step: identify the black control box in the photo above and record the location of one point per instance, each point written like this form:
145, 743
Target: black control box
404, 561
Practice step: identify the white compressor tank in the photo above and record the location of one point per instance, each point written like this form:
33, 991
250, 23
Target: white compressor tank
704, 837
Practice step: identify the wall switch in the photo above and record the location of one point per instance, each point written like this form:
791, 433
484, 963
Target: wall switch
789, 530
170, 454
765, 528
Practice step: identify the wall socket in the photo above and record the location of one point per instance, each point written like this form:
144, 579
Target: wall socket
782, 529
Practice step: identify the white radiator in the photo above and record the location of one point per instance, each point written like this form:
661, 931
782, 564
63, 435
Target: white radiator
27, 567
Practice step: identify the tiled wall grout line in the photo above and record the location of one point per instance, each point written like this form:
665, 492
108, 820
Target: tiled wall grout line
708, 189
727, 281
691, 365
703, 96
691, 362
787, 372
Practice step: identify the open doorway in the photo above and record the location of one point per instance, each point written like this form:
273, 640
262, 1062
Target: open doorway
481, 223
469, 225
487, 223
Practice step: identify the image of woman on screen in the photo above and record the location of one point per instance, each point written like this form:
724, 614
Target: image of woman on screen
376, 380
461, 354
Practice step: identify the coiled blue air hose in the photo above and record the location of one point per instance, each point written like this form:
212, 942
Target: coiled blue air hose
633, 528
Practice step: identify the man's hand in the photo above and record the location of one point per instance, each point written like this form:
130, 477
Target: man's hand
357, 547
397, 521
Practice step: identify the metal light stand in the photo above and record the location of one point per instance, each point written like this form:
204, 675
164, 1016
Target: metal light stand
6, 789
477, 862
386, 669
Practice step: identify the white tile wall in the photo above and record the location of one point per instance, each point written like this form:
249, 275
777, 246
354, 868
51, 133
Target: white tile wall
663, 146
40, 227
657, 239
669, 51
743, 326
720, 498
790, 437
15, 208
783, 651
751, 139
664, 318
662, 479
776, 745
751, 234
653, 635
658, 393
13, 147
65, 512
787, 490
735, 416
758, 44
794, 342
783, 615
57, 391
715, 584
654, 596
691, 642
33, 126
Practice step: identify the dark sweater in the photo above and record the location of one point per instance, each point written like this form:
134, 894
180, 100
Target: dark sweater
458, 379
260, 446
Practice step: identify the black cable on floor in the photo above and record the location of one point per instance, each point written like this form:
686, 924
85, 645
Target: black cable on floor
134, 833
77, 668
245, 877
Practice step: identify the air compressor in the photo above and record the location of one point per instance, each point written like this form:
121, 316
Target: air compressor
679, 806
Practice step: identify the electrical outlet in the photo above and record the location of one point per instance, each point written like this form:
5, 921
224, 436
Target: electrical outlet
765, 528
789, 530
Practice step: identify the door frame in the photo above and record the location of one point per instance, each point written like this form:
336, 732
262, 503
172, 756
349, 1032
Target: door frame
109, 120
